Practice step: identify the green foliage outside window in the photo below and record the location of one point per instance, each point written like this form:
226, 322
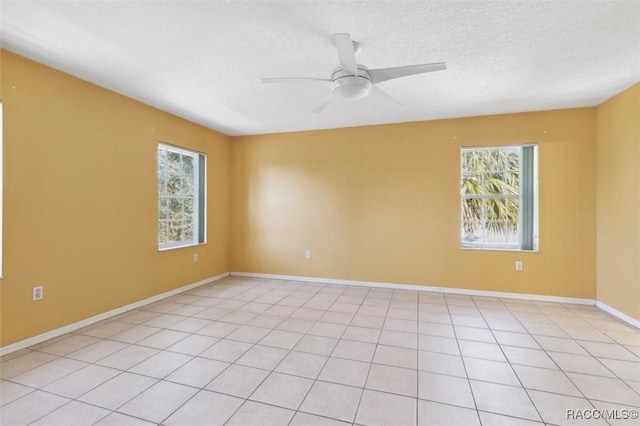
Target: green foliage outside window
176, 183
490, 190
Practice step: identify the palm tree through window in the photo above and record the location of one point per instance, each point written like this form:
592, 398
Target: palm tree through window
498, 197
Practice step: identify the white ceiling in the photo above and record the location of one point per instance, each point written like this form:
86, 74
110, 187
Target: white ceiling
203, 60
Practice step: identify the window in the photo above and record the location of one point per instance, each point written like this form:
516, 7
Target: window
181, 197
499, 188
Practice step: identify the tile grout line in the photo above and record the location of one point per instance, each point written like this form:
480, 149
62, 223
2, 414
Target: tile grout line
276, 366
508, 361
191, 333
355, 415
349, 324
329, 356
464, 365
564, 372
292, 350
119, 374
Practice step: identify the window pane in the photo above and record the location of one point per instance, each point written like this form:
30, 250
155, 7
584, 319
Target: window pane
472, 184
490, 221
180, 213
474, 214
173, 184
163, 209
501, 214
187, 165
512, 215
188, 230
175, 208
163, 232
162, 158
162, 184
175, 230
490, 196
470, 159
490, 171
187, 184
188, 208
174, 161
471, 217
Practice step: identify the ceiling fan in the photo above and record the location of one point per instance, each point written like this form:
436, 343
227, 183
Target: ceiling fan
355, 81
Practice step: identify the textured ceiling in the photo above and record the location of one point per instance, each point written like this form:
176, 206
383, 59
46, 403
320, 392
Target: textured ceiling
203, 60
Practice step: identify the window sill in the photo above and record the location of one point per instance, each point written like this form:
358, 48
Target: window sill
499, 249
160, 249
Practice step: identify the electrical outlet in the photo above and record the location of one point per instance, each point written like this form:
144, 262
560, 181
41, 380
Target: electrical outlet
307, 254
518, 265
38, 293
195, 257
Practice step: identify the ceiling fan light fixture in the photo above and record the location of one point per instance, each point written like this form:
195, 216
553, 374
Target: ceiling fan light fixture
353, 81
351, 87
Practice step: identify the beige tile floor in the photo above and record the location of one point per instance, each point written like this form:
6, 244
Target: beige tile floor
245, 351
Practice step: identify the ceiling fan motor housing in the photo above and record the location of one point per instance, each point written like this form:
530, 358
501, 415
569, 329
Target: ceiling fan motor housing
349, 86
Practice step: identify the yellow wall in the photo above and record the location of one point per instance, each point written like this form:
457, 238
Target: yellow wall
381, 203
80, 203
1, 224
618, 202
376, 203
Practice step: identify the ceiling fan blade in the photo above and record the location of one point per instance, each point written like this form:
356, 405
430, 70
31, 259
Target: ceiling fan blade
322, 106
346, 53
384, 74
382, 94
292, 79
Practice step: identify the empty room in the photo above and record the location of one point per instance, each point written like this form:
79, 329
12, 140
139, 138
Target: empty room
319, 213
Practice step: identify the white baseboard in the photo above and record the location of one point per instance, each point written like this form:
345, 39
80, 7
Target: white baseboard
86, 322
417, 287
616, 313
105, 315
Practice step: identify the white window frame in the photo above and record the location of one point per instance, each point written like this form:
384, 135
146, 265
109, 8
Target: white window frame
198, 195
527, 229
